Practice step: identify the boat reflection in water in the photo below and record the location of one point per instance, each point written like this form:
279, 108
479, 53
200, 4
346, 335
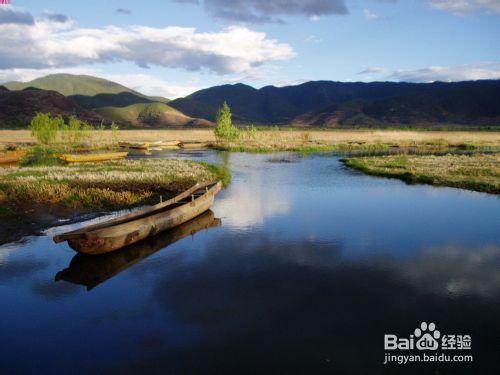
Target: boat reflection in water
92, 270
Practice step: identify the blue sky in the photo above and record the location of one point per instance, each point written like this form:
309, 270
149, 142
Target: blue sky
174, 47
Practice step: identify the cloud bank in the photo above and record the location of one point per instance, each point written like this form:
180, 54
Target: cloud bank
56, 42
462, 7
482, 70
260, 11
13, 16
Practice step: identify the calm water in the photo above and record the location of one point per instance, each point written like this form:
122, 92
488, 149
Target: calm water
308, 267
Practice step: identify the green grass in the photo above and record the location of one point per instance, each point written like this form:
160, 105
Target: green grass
5, 211
109, 185
477, 172
223, 173
41, 156
144, 112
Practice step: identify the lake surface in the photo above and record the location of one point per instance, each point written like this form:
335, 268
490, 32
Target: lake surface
308, 267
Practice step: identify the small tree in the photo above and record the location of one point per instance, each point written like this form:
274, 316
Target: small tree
224, 129
44, 128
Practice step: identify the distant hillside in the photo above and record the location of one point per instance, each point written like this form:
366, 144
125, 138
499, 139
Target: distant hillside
122, 99
155, 115
316, 103
326, 103
17, 108
90, 98
69, 84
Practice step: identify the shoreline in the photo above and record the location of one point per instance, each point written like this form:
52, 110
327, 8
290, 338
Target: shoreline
477, 172
38, 197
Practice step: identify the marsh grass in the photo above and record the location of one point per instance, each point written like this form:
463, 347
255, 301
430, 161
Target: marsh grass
110, 185
5, 211
41, 156
478, 172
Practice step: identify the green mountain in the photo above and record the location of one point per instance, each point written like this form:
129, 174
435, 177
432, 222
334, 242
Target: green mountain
122, 99
69, 85
90, 98
155, 115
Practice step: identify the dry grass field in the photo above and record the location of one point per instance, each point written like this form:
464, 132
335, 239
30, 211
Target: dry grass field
402, 138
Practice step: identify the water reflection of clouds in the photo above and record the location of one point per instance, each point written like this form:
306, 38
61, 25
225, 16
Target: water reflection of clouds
246, 206
254, 198
273, 295
456, 271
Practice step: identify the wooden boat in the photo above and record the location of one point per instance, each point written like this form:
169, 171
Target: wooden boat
85, 158
194, 145
137, 145
128, 229
93, 270
12, 156
170, 147
166, 143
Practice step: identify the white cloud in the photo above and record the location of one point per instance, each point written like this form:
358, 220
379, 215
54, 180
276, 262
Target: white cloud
371, 70
369, 15
49, 44
154, 86
15, 16
482, 70
313, 39
462, 7
25, 75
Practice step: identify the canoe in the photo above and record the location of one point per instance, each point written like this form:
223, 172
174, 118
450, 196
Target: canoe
194, 145
166, 143
85, 158
92, 270
138, 145
12, 156
128, 229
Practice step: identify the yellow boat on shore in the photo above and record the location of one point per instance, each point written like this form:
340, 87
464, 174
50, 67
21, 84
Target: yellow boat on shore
166, 144
12, 156
86, 158
194, 145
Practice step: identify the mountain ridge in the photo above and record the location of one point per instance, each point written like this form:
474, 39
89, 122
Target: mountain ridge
314, 103
352, 103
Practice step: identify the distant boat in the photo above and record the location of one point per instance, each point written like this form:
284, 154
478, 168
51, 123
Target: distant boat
93, 270
194, 145
12, 156
166, 143
137, 145
131, 228
85, 158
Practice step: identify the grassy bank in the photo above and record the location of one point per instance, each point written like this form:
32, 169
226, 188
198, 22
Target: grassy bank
103, 186
474, 172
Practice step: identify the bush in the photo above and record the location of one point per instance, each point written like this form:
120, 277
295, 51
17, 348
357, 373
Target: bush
44, 128
75, 132
224, 129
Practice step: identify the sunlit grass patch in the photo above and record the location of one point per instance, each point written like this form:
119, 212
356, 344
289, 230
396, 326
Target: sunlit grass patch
479, 172
109, 185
